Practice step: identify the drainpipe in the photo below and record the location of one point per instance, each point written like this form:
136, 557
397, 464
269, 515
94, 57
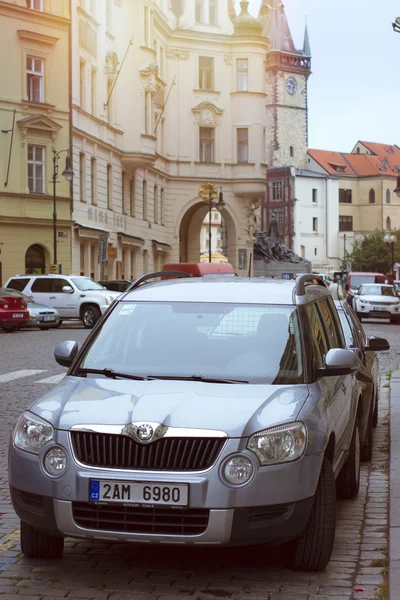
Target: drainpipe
326, 224
70, 125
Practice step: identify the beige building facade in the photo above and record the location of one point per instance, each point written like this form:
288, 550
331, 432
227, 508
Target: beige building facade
167, 96
34, 122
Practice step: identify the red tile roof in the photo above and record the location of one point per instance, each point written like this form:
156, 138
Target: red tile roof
384, 160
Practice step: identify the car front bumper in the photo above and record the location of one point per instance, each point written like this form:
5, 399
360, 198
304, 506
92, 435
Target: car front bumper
40, 322
379, 311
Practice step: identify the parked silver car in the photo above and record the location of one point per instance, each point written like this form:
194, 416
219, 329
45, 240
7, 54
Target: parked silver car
197, 412
41, 316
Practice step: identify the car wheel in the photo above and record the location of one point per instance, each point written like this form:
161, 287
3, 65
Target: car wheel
39, 544
348, 482
366, 448
312, 550
11, 328
376, 411
359, 316
90, 315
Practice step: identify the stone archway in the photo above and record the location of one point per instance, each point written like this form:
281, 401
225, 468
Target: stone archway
35, 260
190, 228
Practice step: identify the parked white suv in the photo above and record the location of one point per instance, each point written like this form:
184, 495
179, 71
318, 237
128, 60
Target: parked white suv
74, 297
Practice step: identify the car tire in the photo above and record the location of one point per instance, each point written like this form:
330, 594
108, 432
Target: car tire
366, 448
348, 482
312, 550
376, 411
90, 315
40, 544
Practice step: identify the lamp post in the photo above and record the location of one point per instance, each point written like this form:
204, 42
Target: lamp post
396, 25
391, 240
208, 192
68, 174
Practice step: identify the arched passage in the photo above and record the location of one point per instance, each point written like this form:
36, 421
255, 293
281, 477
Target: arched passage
190, 228
35, 260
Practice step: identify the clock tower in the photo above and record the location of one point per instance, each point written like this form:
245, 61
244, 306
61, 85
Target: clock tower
287, 72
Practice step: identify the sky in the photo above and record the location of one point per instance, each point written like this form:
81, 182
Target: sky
354, 89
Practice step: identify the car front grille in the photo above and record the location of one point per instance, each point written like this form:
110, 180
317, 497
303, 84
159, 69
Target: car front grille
166, 454
146, 519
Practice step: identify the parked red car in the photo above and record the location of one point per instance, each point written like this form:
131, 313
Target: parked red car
13, 311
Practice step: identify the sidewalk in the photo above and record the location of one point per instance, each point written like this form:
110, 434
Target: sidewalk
394, 496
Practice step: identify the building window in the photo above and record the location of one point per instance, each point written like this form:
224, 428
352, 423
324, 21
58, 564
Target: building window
93, 91
155, 204
162, 206
212, 12
82, 68
291, 151
145, 261
35, 79
199, 11
109, 14
277, 190
93, 170
315, 224
315, 251
388, 224
36, 156
82, 258
123, 196
388, 197
372, 196
206, 144
82, 195
162, 62
109, 187
36, 4
345, 196
146, 26
242, 75
144, 200
132, 190
109, 101
243, 145
206, 73
315, 196
148, 113
345, 223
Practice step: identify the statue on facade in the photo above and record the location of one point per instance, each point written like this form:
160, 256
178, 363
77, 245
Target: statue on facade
251, 220
270, 249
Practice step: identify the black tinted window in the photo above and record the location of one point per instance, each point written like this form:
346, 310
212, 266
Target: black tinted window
58, 285
42, 286
18, 284
330, 322
318, 335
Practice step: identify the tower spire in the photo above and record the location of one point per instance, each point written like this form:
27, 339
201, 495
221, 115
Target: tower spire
306, 45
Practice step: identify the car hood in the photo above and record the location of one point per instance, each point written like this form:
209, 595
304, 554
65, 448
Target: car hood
34, 306
238, 410
383, 299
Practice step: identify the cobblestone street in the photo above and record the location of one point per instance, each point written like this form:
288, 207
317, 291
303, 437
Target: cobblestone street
101, 571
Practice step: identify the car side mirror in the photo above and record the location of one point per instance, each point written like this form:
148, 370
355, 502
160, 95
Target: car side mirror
376, 344
67, 289
340, 361
65, 353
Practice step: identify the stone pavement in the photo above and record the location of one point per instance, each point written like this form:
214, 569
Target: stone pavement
103, 571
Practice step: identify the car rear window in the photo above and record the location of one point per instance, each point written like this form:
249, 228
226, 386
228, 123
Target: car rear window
254, 343
18, 284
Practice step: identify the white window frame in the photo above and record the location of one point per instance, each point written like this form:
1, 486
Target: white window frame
82, 177
37, 163
242, 86
242, 145
109, 186
31, 74
213, 11
203, 148
204, 73
93, 180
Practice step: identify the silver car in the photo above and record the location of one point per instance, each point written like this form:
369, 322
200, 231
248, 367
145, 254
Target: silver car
197, 412
41, 316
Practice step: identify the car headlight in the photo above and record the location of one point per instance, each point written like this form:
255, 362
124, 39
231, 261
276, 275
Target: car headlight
32, 432
109, 300
279, 444
55, 461
238, 469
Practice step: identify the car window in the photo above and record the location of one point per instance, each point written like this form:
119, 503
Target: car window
318, 335
42, 285
348, 333
84, 284
18, 284
329, 320
58, 285
362, 336
254, 343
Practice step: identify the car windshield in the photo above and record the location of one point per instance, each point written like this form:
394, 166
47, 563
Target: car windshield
377, 290
358, 280
253, 343
85, 284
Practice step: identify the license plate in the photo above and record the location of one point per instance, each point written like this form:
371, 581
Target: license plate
49, 319
18, 316
380, 309
133, 492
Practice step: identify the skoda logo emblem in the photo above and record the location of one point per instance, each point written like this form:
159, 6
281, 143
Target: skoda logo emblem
144, 432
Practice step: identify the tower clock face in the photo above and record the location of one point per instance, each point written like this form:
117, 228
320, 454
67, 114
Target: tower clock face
291, 85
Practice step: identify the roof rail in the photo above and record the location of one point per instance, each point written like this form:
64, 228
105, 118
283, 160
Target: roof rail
308, 279
149, 276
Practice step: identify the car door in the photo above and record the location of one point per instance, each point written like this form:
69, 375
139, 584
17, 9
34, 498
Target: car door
41, 291
66, 303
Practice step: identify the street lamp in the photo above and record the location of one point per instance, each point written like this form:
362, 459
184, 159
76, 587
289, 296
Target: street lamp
208, 192
396, 25
391, 240
68, 174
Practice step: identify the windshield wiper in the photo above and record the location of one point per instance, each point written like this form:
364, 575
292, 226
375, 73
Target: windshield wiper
196, 378
110, 373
